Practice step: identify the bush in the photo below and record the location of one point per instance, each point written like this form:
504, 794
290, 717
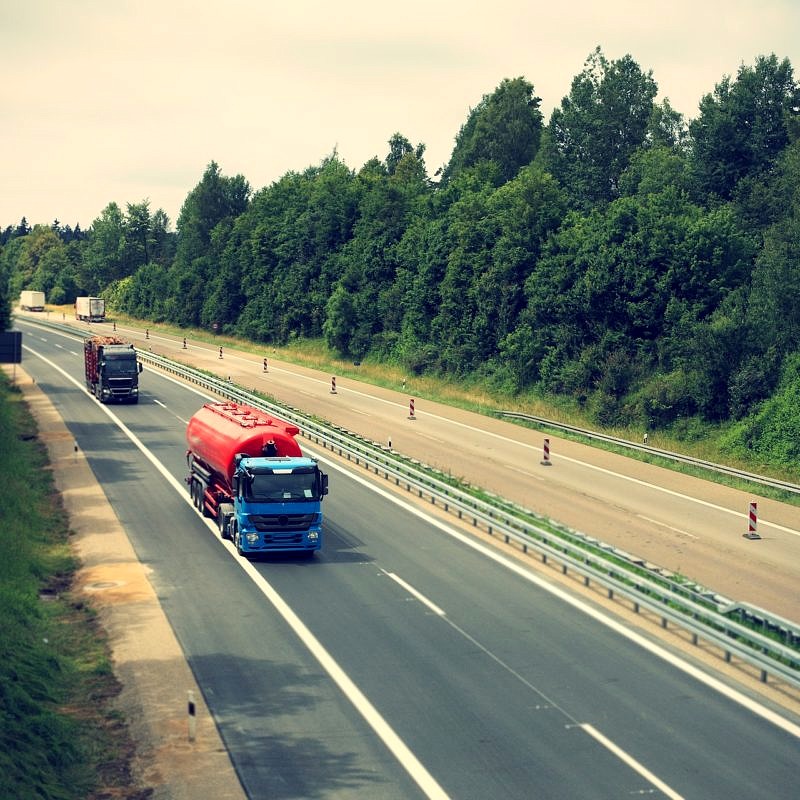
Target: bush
772, 433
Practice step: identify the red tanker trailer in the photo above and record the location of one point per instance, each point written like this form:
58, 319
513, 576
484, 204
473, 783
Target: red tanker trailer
247, 471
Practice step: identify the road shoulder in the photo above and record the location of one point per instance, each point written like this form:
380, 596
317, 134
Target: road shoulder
147, 658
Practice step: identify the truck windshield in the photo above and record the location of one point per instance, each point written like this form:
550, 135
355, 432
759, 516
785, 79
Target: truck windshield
269, 488
120, 364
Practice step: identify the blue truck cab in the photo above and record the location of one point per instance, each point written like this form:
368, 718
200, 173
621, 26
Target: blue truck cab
277, 505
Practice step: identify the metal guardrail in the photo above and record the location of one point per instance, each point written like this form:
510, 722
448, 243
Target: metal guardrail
774, 483
687, 606
704, 614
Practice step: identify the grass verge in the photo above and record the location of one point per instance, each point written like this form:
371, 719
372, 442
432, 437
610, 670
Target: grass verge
60, 736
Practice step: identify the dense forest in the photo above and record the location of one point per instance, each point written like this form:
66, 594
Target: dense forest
643, 265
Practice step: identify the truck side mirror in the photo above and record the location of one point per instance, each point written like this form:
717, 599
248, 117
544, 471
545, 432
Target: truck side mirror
140, 365
235, 485
324, 483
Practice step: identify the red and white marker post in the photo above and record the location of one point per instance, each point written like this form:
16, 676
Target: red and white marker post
546, 462
333, 385
411, 415
752, 524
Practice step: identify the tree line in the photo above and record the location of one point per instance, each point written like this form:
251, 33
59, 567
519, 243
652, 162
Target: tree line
641, 264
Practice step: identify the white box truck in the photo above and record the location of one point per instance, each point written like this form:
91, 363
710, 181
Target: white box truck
90, 309
31, 301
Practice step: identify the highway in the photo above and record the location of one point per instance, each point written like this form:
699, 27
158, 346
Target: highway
688, 525
405, 660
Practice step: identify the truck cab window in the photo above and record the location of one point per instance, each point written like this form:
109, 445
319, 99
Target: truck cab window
269, 488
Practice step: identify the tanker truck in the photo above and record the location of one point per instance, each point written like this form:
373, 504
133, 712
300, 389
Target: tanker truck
247, 472
112, 369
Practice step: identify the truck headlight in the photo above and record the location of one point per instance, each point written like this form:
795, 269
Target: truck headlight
313, 536
252, 538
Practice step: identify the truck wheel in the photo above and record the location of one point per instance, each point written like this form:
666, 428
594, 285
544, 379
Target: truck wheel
197, 495
237, 541
221, 524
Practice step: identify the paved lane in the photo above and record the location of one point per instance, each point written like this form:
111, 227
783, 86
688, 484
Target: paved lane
498, 686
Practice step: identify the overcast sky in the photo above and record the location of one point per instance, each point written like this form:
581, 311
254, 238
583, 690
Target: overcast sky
110, 100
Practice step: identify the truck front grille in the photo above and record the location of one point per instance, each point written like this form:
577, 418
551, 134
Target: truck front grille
120, 385
279, 525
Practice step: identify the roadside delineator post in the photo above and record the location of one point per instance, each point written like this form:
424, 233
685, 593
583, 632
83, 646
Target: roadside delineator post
752, 525
192, 711
265, 366
184, 342
411, 410
220, 352
113, 326
333, 385
546, 462
389, 443
147, 333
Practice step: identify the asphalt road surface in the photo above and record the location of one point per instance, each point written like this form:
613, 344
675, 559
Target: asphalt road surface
687, 525
406, 659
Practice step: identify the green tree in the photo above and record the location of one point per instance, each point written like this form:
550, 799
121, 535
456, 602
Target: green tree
138, 245
341, 322
504, 128
5, 294
399, 148
742, 127
598, 127
285, 248
104, 255
40, 257
206, 215
367, 264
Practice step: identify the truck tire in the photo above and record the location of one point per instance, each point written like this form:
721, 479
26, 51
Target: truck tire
236, 538
197, 495
223, 533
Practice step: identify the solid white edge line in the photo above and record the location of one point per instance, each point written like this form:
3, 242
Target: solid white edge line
631, 762
384, 731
